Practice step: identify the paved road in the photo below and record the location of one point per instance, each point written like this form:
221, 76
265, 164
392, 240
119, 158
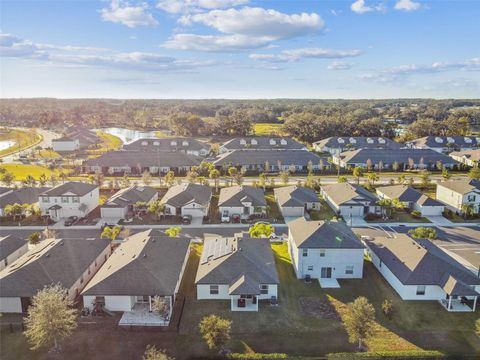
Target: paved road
46, 142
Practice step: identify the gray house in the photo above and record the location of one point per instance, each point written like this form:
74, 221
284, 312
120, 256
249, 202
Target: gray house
336, 145
295, 200
188, 199
262, 143
123, 201
446, 144
24, 195
412, 199
186, 145
11, 248
242, 200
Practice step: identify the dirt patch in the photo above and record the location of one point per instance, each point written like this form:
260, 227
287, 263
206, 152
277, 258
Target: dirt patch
318, 308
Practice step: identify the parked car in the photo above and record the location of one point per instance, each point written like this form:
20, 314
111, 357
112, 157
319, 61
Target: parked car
71, 220
186, 219
235, 218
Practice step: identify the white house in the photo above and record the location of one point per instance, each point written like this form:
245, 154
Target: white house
239, 269
11, 248
295, 200
412, 199
69, 199
349, 200
242, 200
467, 157
65, 144
456, 193
445, 144
418, 270
123, 201
188, 199
324, 250
144, 266
68, 262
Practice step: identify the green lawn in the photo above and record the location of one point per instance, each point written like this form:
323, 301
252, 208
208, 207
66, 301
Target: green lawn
23, 140
401, 216
325, 212
109, 142
273, 210
460, 219
265, 129
21, 171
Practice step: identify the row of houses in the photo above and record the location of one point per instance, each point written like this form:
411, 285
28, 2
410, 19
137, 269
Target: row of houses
75, 138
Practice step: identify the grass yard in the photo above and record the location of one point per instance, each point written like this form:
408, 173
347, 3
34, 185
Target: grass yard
109, 142
49, 154
401, 216
23, 140
460, 219
21, 171
325, 212
273, 210
265, 129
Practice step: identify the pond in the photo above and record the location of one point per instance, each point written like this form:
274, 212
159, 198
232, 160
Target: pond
5, 144
128, 135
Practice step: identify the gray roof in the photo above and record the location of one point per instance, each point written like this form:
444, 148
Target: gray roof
240, 262
358, 142
322, 235
462, 186
260, 157
454, 142
75, 187
183, 194
130, 196
147, 263
64, 138
235, 196
473, 155
24, 195
295, 196
346, 193
9, 244
263, 143
389, 156
421, 262
405, 193
167, 144
85, 137
53, 261
133, 159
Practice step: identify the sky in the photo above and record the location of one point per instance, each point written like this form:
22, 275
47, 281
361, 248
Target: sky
240, 49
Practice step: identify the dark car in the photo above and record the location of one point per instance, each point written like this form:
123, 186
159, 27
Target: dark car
71, 220
186, 219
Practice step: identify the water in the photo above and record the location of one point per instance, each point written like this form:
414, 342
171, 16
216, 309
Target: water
128, 136
5, 144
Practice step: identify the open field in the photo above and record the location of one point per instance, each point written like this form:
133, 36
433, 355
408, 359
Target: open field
23, 140
21, 171
265, 129
109, 142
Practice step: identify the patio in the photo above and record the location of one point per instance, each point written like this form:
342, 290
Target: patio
329, 283
244, 303
456, 305
142, 316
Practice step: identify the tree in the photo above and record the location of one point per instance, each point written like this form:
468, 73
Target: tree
214, 174
445, 174
151, 353
42, 180
385, 204
156, 207
261, 230
474, 173
173, 231
232, 172
146, 178
357, 173
29, 181
285, 175
372, 177
14, 210
170, 178
425, 178
477, 327
7, 178
467, 210
111, 232
397, 204
342, 179
53, 179
401, 179
161, 306
34, 238
262, 180
50, 318
215, 331
359, 321
423, 233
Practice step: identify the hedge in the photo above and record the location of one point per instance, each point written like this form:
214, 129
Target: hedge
390, 355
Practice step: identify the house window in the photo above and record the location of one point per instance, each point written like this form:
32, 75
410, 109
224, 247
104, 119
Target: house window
81, 280
471, 198
349, 269
263, 289
76, 199
64, 199
213, 289
310, 268
322, 252
380, 264
46, 199
305, 252
421, 289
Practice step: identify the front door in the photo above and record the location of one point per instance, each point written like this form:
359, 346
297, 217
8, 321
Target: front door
326, 273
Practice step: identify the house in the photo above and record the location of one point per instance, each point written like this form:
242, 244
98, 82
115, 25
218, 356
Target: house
137, 162
261, 143
349, 200
65, 144
68, 262
11, 248
186, 145
239, 269
84, 136
459, 193
188, 199
336, 145
24, 195
123, 201
242, 200
295, 200
269, 160
467, 157
72, 198
445, 144
324, 250
389, 159
146, 265
412, 199
418, 270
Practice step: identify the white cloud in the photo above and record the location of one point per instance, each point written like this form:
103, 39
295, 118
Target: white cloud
122, 12
360, 7
303, 53
340, 65
214, 43
187, 6
407, 5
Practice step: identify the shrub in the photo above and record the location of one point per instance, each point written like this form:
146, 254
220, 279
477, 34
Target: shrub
416, 214
388, 355
387, 308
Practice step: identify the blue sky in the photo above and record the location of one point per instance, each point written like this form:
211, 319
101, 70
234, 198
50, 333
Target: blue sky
240, 49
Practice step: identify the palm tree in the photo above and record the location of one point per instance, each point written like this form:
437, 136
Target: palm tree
214, 174
385, 204
467, 210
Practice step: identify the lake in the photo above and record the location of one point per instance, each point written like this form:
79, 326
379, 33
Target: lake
127, 135
5, 144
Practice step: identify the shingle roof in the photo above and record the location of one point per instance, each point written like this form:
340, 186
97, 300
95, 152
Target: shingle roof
246, 264
420, 262
358, 142
444, 141
130, 196
473, 155
235, 196
295, 196
260, 157
52, 261
346, 193
146, 264
263, 143
167, 144
183, 194
25, 195
461, 186
405, 193
133, 159
9, 244
74, 187
322, 234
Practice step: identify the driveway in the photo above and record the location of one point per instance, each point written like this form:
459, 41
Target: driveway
439, 220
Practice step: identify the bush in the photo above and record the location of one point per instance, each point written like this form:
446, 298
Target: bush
387, 308
370, 217
256, 356
416, 214
388, 355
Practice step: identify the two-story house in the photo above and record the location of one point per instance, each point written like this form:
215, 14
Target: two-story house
457, 193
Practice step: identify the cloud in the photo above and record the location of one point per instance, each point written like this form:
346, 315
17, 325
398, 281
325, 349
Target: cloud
187, 6
122, 12
214, 43
303, 53
360, 7
407, 5
340, 65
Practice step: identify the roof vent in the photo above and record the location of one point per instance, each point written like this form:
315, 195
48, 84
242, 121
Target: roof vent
144, 256
438, 140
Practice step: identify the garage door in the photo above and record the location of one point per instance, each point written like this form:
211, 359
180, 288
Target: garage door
292, 211
431, 210
112, 213
192, 212
354, 211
